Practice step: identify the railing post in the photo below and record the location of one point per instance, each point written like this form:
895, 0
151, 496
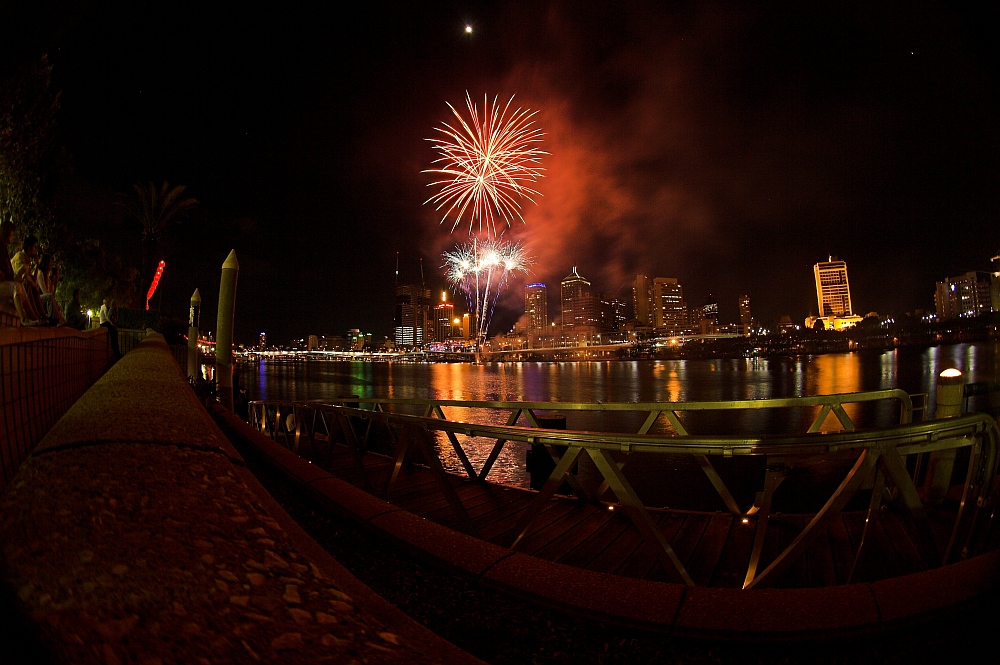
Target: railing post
194, 356
224, 330
941, 463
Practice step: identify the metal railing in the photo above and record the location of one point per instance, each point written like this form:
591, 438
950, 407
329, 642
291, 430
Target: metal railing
39, 380
877, 460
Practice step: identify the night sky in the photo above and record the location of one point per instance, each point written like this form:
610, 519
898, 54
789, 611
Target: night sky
729, 145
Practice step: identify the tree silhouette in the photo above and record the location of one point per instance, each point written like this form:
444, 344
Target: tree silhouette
155, 209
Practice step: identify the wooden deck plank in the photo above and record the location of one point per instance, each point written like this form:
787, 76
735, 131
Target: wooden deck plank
842, 548
555, 529
614, 555
899, 538
491, 499
614, 526
433, 499
562, 546
500, 531
644, 561
702, 564
732, 567
715, 547
797, 573
821, 569
874, 563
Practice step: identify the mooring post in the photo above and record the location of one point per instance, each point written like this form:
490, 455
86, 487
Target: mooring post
194, 356
224, 330
950, 385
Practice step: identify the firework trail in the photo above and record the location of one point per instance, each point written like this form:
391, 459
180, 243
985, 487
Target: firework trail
480, 268
487, 165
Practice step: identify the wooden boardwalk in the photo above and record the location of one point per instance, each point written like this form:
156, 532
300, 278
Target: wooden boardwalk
714, 547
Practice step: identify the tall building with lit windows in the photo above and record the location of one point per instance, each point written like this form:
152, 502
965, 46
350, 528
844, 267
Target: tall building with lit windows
746, 319
413, 323
964, 296
536, 309
833, 297
444, 319
670, 311
833, 292
642, 300
579, 315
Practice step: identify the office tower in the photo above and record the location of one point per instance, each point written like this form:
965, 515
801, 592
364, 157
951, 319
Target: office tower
642, 300
967, 295
536, 309
611, 312
746, 319
577, 305
444, 315
670, 312
413, 323
708, 316
262, 343
995, 282
833, 293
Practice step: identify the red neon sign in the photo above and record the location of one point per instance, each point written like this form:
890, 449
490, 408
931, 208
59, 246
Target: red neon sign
156, 282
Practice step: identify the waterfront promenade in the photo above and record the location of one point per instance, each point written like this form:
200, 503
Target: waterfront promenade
147, 513
134, 533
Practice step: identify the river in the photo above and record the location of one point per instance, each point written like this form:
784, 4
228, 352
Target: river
913, 370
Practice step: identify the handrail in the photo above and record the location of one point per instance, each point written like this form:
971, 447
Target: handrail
878, 461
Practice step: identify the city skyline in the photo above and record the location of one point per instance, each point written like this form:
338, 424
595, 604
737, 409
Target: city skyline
730, 147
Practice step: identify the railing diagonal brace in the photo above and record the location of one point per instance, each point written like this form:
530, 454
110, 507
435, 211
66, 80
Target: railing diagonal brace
545, 494
637, 512
423, 439
498, 447
849, 485
718, 484
873, 508
893, 467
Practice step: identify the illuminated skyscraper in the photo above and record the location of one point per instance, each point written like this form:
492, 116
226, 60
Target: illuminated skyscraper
642, 300
611, 313
670, 311
444, 315
964, 296
833, 293
413, 323
707, 316
579, 313
536, 309
577, 303
746, 319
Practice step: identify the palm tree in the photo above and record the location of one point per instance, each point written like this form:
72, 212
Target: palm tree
155, 208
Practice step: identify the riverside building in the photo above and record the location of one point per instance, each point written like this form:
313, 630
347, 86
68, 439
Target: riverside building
967, 295
670, 311
536, 316
833, 296
413, 323
579, 318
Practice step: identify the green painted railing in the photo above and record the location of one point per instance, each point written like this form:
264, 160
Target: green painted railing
877, 460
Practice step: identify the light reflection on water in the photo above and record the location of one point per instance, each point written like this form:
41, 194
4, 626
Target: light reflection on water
913, 370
